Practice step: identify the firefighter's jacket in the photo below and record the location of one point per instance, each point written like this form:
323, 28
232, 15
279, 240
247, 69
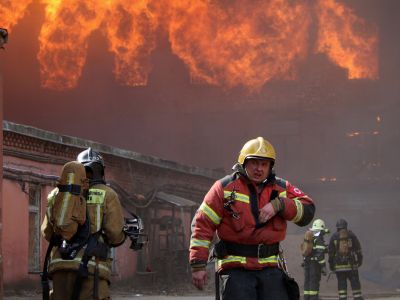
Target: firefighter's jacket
349, 262
212, 217
105, 213
319, 250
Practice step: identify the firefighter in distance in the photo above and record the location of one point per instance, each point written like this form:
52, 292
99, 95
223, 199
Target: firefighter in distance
345, 257
313, 250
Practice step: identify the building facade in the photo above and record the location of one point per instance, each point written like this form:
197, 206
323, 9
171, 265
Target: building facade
32, 161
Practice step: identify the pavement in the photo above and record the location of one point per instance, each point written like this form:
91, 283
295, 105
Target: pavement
190, 297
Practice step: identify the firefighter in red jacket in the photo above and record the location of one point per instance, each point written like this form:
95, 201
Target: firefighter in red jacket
248, 210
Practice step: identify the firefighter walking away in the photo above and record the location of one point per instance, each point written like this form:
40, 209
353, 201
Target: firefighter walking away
313, 250
248, 210
345, 257
83, 221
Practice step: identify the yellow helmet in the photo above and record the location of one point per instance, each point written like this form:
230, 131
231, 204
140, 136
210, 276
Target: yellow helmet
257, 148
318, 225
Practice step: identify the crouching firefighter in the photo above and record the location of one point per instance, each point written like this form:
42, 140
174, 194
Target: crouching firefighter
248, 210
84, 219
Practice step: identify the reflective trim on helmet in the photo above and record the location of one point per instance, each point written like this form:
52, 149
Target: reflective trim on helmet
199, 243
238, 196
269, 260
300, 210
210, 213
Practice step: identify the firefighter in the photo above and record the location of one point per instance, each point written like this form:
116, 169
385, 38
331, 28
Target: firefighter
248, 210
107, 226
345, 257
314, 260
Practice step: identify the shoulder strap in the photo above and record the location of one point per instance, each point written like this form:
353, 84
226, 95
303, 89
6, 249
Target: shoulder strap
45, 275
254, 203
228, 179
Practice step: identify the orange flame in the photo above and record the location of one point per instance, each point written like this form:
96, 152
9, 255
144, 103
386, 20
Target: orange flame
63, 40
130, 29
11, 12
347, 39
223, 45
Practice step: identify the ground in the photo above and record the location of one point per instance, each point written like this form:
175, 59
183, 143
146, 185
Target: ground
161, 297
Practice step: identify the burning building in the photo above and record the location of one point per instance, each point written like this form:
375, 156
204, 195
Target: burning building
190, 81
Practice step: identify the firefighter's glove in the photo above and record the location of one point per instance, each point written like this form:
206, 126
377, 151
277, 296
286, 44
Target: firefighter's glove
323, 270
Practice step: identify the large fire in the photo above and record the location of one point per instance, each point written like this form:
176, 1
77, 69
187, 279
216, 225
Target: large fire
224, 43
11, 12
347, 40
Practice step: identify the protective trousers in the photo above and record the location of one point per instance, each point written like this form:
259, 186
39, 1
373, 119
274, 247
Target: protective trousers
64, 282
265, 284
312, 278
352, 276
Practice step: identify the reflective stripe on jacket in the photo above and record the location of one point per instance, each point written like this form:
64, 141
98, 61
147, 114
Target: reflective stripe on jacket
345, 263
213, 217
318, 251
105, 213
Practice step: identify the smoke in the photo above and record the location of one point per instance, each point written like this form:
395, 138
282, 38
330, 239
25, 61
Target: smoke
307, 119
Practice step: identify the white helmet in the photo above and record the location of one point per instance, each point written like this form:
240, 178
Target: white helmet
318, 225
